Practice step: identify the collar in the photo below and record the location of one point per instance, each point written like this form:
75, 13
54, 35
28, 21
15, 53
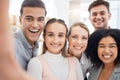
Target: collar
117, 69
53, 57
25, 41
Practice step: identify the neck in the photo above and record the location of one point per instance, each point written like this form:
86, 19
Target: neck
108, 66
106, 27
32, 43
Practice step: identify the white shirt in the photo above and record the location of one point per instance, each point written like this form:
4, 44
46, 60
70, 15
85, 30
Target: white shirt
58, 64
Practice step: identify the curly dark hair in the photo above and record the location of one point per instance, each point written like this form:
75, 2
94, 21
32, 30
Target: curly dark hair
91, 50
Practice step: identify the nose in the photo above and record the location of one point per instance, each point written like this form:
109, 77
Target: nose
98, 16
35, 24
107, 50
55, 40
79, 41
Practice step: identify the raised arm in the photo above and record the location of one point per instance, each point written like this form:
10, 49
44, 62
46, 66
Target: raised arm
9, 69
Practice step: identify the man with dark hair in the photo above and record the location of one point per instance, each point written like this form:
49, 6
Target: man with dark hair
32, 19
99, 14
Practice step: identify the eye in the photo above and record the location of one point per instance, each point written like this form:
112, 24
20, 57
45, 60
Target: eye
101, 46
74, 36
29, 19
61, 35
41, 20
102, 13
112, 46
84, 38
94, 14
50, 34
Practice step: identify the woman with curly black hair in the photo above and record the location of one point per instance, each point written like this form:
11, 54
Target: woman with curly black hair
104, 52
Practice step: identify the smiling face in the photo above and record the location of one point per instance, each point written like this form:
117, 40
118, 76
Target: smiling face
32, 21
99, 17
107, 50
78, 40
55, 37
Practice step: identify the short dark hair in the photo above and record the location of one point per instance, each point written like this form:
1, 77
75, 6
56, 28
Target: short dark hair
92, 47
53, 20
97, 3
32, 3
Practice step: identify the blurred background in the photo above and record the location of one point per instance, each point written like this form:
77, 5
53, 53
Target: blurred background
69, 10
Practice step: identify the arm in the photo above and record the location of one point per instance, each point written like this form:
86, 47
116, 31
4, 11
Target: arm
9, 69
35, 69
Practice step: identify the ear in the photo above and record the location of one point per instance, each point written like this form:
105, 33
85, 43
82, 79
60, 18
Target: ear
110, 15
89, 18
20, 19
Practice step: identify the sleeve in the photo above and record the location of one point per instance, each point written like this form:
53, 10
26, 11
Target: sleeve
35, 69
79, 70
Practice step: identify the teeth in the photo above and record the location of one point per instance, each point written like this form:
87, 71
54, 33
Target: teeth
106, 56
34, 31
78, 47
55, 45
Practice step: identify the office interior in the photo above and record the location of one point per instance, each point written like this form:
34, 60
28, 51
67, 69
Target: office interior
69, 10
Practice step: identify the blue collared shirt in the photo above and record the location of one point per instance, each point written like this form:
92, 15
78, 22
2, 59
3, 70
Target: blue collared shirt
24, 50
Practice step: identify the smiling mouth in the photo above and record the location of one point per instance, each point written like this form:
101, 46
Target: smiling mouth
107, 56
55, 45
34, 31
78, 47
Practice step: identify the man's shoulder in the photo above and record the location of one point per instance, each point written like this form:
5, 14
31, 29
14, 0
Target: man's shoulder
17, 35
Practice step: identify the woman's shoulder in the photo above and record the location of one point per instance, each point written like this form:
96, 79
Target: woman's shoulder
34, 60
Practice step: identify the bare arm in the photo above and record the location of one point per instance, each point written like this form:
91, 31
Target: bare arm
9, 69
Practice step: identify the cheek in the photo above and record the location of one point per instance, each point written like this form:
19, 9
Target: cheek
42, 26
99, 51
85, 43
47, 40
116, 53
64, 42
71, 43
99, 55
26, 24
91, 18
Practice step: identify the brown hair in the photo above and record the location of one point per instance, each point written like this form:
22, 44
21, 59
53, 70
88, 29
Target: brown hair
53, 20
97, 3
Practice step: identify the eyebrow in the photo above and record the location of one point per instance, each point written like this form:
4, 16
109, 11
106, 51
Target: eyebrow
59, 32
29, 16
32, 16
109, 44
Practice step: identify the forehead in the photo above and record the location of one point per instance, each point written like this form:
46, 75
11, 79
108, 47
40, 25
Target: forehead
33, 11
99, 8
107, 40
78, 30
56, 27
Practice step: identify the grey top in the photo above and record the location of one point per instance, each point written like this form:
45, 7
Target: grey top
85, 64
95, 72
24, 50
